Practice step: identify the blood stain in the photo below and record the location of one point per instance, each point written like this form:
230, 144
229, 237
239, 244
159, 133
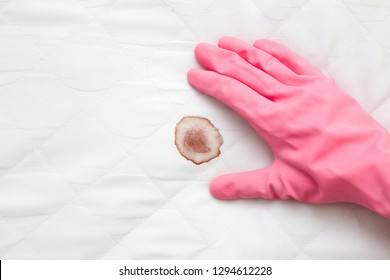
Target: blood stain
197, 139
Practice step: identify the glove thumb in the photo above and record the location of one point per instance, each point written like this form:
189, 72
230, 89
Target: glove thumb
263, 183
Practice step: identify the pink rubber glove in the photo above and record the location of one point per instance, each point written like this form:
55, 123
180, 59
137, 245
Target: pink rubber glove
326, 147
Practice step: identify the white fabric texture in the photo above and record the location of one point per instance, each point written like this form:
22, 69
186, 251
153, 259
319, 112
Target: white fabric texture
90, 92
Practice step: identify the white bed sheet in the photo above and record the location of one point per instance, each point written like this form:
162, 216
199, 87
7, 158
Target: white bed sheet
90, 92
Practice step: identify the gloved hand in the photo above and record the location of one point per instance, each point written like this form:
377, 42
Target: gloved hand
326, 147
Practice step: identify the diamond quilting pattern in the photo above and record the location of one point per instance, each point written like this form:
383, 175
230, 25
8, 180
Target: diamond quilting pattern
166, 228
166, 64
353, 239
226, 214
90, 94
72, 227
128, 112
17, 55
119, 216
35, 20
219, 18
340, 35
134, 22
27, 206
263, 230
90, 61
280, 10
13, 147
372, 56
10, 235
82, 150
34, 109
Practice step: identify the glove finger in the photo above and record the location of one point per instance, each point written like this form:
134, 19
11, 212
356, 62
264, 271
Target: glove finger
260, 183
236, 95
230, 64
292, 60
260, 59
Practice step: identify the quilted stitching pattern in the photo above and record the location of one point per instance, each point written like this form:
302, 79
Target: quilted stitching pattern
90, 91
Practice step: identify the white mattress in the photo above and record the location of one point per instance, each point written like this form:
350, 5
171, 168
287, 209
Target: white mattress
90, 92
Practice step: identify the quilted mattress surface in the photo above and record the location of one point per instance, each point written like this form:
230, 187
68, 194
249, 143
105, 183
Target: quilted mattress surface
90, 93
